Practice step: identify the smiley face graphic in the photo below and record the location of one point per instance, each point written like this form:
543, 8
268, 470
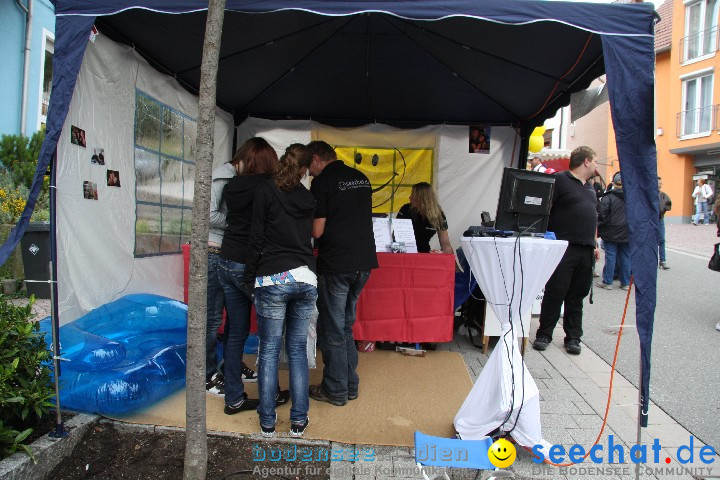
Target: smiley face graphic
501, 453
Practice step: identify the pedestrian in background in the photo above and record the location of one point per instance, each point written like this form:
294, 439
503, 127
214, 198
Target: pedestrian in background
665, 206
536, 165
612, 228
701, 194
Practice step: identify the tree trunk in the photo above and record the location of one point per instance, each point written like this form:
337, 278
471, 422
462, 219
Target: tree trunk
196, 429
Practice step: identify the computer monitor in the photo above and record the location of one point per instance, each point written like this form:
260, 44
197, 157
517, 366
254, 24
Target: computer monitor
524, 201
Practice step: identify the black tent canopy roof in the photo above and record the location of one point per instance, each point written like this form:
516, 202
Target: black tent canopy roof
372, 67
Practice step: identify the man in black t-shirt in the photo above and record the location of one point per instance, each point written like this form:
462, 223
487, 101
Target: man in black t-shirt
573, 217
346, 254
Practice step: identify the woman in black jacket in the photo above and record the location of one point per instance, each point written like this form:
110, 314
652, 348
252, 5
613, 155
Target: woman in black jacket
612, 228
259, 164
281, 269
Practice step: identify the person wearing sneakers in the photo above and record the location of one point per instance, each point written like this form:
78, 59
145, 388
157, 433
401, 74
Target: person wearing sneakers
214, 380
612, 228
573, 217
259, 164
281, 270
665, 206
346, 254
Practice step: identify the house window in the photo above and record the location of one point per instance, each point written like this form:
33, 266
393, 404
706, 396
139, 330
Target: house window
696, 118
700, 29
46, 77
164, 177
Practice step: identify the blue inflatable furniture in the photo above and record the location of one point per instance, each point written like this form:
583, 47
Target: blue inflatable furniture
122, 356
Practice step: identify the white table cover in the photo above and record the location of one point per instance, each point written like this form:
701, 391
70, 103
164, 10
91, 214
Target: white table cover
510, 272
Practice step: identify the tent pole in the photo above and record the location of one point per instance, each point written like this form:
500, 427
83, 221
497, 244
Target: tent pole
639, 420
523, 151
54, 320
59, 431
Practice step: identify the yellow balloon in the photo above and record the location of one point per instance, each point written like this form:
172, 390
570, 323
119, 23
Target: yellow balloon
536, 143
539, 130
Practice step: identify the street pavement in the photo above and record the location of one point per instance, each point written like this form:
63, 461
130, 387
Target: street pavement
574, 388
685, 379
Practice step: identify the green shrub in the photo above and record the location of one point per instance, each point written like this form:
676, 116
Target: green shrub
18, 161
19, 155
26, 389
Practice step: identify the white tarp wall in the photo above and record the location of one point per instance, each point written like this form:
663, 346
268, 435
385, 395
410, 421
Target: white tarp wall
466, 183
96, 238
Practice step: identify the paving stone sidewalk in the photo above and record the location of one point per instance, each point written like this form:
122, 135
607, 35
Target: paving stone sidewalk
573, 400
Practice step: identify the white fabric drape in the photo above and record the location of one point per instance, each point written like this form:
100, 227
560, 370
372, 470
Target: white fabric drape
510, 272
96, 238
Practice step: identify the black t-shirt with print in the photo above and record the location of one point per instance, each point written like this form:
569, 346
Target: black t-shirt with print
343, 197
424, 231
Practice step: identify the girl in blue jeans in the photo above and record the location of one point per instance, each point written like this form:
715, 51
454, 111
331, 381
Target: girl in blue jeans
260, 163
280, 270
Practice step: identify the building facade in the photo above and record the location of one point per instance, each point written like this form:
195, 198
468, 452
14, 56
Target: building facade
688, 127
13, 34
687, 107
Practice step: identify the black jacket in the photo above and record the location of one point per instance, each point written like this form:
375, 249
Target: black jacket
665, 204
238, 195
281, 231
612, 221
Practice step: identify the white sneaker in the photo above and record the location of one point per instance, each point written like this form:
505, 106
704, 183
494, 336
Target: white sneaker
216, 385
717, 327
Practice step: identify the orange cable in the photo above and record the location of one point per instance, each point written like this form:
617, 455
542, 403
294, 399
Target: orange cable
612, 374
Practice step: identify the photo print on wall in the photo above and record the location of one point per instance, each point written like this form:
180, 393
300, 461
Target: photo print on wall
77, 136
479, 139
113, 178
98, 156
90, 190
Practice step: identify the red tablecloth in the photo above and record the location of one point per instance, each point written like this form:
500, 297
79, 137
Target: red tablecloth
408, 299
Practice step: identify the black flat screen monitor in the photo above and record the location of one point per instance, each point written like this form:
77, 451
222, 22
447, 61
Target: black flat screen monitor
524, 202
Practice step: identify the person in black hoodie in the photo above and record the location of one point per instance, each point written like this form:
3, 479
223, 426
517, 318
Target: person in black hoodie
259, 165
612, 228
281, 269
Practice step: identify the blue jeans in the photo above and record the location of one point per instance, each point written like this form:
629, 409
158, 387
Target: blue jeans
236, 329
337, 297
215, 306
286, 307
617, 252
702, 207
661, 239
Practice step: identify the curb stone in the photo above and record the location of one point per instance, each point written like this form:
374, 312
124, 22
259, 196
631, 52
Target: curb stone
48, 452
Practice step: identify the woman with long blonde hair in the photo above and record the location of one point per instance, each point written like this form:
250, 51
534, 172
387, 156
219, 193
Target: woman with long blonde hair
427, 218
281, 270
